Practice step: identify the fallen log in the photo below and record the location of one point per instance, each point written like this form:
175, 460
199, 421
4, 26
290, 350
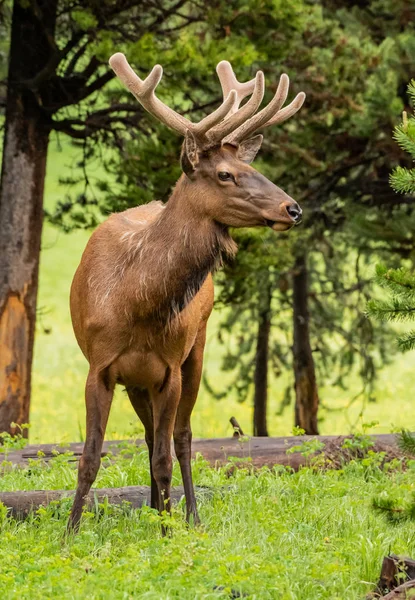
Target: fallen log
261, 451
395, 570
20, 504
401, 592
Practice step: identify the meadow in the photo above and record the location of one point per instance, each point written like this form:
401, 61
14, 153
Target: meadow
57, 409
267, 534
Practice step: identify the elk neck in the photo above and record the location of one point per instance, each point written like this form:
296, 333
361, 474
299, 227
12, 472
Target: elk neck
182, 246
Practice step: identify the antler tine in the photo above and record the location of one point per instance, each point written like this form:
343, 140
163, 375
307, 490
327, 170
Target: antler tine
240, 116
259, 120
218, 115
288, 111
229, 82
269, 115
144, 92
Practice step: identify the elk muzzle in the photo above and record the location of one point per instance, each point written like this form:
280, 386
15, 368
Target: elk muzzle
289, 214
295, 212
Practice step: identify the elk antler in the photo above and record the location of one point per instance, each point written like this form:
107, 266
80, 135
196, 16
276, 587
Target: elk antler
229, 82
270, 115
144, 92
228, 123
236, 117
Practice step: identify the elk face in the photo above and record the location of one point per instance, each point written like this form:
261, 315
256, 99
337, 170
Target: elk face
218, 149
234, 193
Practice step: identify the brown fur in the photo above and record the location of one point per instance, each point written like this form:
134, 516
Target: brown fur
140, 302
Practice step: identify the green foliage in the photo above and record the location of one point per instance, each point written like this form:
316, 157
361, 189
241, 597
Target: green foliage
298, 431
307, 448
13, 442
396, 507
359, 442
403, 179
406, 441
400, 282
261, 524
401, 305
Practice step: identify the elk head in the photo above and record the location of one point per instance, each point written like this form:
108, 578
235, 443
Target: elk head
217, 151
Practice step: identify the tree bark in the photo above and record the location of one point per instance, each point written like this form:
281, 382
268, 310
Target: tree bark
21, 200
306, 393
261, 367
401, 592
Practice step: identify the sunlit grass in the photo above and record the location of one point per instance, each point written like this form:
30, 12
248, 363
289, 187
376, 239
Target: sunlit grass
271, 534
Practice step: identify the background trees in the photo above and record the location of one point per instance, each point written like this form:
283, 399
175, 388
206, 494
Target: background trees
354, 64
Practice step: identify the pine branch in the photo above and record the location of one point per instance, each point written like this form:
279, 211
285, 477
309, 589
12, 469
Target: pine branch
395, 511
401, 282
411, 91
406, 342
402, 180
394, 310
406, 441
405, 136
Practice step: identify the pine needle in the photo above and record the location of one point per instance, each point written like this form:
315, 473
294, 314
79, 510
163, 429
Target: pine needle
406, 441
406, 342
392, 310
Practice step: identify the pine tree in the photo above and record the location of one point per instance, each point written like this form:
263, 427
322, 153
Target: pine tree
400, 306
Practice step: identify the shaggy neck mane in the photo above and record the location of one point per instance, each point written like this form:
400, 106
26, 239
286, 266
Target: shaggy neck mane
177, 252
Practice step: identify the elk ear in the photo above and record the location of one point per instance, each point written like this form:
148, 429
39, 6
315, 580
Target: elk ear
247, 150
189, 158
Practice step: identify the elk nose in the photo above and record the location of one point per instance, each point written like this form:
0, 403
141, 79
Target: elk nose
294, 212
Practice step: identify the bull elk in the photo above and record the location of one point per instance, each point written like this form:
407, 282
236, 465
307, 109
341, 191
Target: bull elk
143, 292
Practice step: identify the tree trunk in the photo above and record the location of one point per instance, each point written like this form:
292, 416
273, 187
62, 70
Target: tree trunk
21, 200
306, 393
261, 367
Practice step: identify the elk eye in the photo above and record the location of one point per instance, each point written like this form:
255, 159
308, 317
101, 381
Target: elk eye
225, 176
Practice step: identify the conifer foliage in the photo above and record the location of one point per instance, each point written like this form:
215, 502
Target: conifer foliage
400, 306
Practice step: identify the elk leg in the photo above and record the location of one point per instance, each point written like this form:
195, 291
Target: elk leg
140, 401
164, 401
191, 374
98, 395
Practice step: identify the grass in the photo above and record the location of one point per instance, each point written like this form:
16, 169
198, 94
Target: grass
269, 534
57, 410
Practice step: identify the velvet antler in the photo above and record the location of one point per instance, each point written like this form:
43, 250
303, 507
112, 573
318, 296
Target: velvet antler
228, 123
144, 92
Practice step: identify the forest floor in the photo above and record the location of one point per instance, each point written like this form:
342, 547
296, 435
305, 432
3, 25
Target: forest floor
266, 533
60, 369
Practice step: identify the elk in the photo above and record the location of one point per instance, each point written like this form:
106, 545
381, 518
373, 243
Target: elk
143, 292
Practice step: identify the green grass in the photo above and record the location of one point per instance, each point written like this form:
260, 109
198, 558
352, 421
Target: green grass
272, 534
57, 410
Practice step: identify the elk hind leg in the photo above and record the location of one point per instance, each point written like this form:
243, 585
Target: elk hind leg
191, 375
164, 402
98, 394
140, 401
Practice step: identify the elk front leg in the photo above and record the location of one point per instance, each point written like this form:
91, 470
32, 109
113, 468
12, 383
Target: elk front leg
140, 401
98, 395
164, 402
191, 374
